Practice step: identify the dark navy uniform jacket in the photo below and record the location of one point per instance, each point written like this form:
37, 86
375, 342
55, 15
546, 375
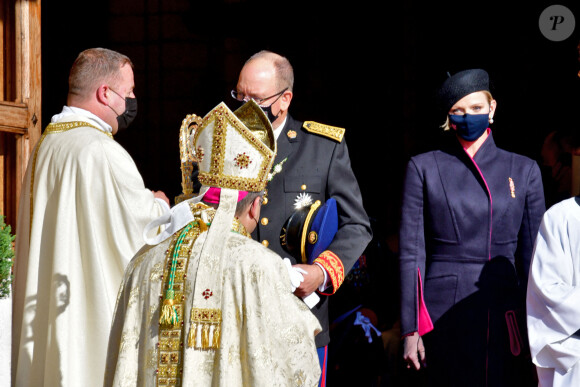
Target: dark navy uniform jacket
319, 166
458, 213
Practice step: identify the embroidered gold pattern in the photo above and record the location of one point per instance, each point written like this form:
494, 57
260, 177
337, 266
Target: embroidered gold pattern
333, 266
156, 273
170, 360
199, 153
243, 160
332, 132
188, 126
205, 329
222, 117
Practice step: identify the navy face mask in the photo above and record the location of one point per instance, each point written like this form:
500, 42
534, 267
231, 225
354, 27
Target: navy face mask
469, 126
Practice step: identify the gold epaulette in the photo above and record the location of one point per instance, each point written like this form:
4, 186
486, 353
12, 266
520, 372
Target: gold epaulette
332, 132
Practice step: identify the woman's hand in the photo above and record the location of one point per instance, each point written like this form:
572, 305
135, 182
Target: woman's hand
414, 351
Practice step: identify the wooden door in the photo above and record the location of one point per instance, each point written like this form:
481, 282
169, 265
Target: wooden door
20, 97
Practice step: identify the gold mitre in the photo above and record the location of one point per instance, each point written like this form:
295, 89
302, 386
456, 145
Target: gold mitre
235, 150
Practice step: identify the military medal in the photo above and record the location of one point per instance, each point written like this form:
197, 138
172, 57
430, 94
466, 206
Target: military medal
302, 200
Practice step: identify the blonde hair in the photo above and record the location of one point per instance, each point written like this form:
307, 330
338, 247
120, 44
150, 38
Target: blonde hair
445, 125
93, 67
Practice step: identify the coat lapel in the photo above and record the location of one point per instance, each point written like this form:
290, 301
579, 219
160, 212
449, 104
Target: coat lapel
286, 144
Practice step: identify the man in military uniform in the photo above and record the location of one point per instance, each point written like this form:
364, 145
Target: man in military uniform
312, 163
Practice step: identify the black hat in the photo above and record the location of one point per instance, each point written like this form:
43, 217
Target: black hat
461, 84
310, 230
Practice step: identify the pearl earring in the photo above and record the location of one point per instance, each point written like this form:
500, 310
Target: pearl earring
490, 120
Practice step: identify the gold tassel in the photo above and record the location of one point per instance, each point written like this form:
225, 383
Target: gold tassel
205, 337
216, 336
168, 313
191, 337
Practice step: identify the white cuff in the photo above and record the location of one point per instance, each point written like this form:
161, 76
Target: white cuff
325, 283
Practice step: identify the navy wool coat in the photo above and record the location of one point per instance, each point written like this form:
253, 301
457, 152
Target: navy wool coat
466, 238
320, 167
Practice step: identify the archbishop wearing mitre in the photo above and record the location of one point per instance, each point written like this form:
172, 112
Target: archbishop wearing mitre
203, 304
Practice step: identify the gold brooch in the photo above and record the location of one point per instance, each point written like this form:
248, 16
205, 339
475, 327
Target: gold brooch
512, 188
291, 134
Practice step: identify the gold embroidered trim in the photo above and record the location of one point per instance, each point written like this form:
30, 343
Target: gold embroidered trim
58, 127
205, 323
205, 329
333, 266
332, 132
215, 177
239, 228
170, 347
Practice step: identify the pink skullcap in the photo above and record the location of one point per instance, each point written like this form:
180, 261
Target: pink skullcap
213, 195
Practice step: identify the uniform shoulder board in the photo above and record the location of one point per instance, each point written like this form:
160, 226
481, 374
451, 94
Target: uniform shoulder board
332, 132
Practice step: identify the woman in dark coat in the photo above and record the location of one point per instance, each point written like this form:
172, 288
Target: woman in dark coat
470, 216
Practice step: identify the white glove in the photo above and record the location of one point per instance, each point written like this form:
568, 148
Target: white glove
295, 274
311, 300
296, 278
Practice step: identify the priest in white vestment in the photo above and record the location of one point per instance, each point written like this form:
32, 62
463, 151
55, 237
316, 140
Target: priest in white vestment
82, 211
553, 299
206, 305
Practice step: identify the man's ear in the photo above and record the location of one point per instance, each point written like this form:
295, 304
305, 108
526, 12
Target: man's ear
103, 95
285, 100
255, 208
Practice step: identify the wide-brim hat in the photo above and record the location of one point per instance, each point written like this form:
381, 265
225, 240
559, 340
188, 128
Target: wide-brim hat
310, 230
461, 84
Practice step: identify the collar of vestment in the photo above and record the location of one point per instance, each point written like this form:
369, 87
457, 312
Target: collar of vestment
73, 113
69, 118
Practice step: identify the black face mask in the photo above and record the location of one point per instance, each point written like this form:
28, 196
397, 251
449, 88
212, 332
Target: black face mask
269, 114
125, 119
